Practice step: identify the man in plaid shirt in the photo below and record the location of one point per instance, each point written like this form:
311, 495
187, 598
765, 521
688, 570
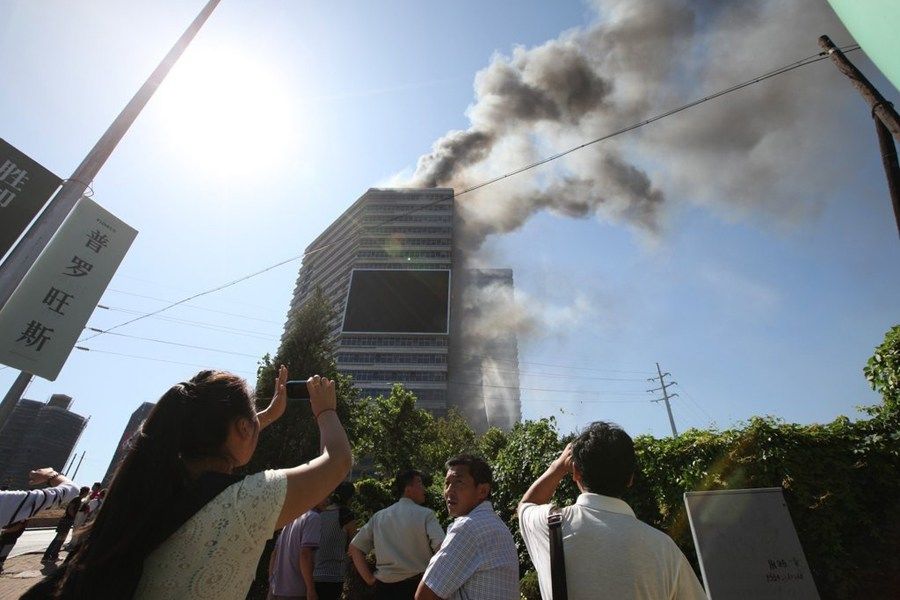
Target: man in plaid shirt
477, 560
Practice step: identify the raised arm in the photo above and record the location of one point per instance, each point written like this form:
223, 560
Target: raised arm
19, 505
308, 484
541, 491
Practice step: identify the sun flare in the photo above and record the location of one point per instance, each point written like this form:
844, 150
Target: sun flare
226, 113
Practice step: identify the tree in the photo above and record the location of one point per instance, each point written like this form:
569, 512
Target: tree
883, 370
294, 438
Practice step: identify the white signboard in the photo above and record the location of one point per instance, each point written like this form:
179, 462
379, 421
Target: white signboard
43, 318
747, 545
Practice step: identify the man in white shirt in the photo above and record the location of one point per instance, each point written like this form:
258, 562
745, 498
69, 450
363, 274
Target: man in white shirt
404, 536
606, 547
478, 559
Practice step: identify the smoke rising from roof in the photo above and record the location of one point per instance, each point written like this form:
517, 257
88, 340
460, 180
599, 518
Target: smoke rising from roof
740, 153
755, 153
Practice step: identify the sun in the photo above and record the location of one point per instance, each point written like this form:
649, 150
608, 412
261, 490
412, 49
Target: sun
225, 112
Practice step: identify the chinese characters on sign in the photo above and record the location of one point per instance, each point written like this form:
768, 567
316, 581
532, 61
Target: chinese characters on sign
48, 311
783, 571
25, 187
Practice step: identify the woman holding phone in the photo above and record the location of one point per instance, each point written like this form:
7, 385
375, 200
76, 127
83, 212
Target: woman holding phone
177, 523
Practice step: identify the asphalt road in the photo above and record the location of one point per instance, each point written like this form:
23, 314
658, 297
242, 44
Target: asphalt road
33, 540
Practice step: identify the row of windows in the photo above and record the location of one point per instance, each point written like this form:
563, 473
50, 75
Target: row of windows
392, 359
401, 208
403, 242
397, 376
400, 266
403, 254
371, 341
414, 218
391, 228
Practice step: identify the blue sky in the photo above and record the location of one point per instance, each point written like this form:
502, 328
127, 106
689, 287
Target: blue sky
283, 113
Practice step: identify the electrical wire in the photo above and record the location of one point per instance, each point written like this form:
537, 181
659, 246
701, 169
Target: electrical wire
195, 307
790, 67
137, 337
162, 360
203, 325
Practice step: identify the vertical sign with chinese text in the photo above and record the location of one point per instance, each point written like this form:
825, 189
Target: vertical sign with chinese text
48, 311
25, 187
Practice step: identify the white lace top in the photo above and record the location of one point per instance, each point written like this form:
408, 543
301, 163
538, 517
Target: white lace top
215, 553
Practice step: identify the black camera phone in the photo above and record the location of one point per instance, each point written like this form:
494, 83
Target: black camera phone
297, 390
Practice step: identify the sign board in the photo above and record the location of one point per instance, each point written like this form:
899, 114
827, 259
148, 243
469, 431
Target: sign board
43, 318
25, 187
747, 545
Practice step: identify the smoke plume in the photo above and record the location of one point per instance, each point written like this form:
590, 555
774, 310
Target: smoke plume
754, 153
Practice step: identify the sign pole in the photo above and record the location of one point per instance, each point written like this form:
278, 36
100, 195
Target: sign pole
23, 256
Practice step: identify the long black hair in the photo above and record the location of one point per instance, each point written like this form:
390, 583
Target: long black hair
144, 506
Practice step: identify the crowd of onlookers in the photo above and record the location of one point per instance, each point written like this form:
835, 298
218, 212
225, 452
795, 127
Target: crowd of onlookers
177, 522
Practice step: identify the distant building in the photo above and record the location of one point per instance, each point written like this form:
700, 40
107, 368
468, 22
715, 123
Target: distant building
387, 267
38, 435
137, 417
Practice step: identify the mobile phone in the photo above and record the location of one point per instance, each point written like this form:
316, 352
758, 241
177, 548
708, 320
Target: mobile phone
297, 390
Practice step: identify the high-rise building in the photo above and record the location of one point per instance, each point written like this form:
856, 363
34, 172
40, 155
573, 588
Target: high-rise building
387, 267
379, 233
38, 435
137, 417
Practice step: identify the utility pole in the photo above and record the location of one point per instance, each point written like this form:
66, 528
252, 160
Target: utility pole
887, 121
666, 395
23, 256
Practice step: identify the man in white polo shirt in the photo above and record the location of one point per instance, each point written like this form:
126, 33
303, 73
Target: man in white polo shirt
608, 551
404, 536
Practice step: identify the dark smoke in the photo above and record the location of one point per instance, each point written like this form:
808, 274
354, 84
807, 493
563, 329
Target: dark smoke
759, 151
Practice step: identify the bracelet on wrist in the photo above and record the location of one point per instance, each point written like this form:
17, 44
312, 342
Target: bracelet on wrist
323, 411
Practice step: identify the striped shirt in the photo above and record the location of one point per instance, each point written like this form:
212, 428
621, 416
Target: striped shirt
332, 553
19, 505
477, 561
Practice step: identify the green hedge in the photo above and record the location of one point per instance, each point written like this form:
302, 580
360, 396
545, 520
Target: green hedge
840, 479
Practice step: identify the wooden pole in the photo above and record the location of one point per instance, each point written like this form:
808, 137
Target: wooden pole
881, 108
887, 122
891, 167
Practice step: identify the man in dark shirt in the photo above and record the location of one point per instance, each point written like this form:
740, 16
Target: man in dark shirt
51, 555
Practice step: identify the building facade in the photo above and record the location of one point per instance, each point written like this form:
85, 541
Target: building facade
394, 229
134, 423
413, 229
38, 435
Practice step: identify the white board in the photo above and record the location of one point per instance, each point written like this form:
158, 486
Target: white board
44, 317
747, 545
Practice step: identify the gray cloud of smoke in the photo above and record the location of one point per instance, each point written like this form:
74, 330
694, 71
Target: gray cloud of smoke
756, 152
740, 153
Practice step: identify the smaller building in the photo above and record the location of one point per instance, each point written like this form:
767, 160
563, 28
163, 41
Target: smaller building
134, 423
38, 435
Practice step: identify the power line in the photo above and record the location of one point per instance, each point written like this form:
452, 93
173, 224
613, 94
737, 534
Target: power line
137, 337
198, 295
569, 391
173, 362
560, 366
790, 67
194, 306
697, 404
813, 58
203, 325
